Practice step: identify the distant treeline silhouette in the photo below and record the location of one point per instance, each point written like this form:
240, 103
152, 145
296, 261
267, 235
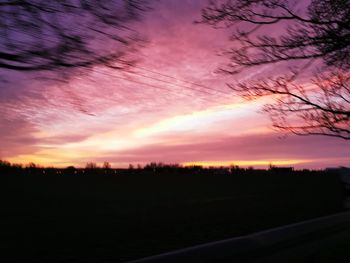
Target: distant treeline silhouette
91, 168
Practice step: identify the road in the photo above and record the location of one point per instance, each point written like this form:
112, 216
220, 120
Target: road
325, 239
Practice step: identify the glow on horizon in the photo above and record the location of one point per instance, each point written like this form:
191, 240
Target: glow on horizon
247, 163
174, 131
102, 143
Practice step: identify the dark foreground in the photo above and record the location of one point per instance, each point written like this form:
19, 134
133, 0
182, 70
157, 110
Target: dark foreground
323, 239
120, 218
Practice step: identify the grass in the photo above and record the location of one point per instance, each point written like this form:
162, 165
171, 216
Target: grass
120, 218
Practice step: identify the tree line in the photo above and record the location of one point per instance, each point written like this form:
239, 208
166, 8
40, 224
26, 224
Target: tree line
92, 169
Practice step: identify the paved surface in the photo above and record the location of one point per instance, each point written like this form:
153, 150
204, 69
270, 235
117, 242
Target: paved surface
325, 239
326, 247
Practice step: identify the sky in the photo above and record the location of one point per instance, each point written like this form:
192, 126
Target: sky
172, 107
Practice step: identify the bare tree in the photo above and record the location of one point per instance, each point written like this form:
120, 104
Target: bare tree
39, 35
106, 166
282, 31
91, 166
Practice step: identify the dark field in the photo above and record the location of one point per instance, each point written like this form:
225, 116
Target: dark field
120, 218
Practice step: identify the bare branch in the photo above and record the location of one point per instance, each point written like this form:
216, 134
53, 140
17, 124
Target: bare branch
39, 35
320, 33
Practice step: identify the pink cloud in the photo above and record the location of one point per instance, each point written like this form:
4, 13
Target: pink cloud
317, 152
38, 115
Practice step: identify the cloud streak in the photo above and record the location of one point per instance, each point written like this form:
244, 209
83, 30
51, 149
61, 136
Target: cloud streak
255, 149
172, 107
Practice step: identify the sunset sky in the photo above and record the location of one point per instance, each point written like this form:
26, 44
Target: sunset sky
173, 107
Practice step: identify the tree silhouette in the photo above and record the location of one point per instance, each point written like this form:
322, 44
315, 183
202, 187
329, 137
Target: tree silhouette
39, 35
276, 31
91, 166
106, 166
